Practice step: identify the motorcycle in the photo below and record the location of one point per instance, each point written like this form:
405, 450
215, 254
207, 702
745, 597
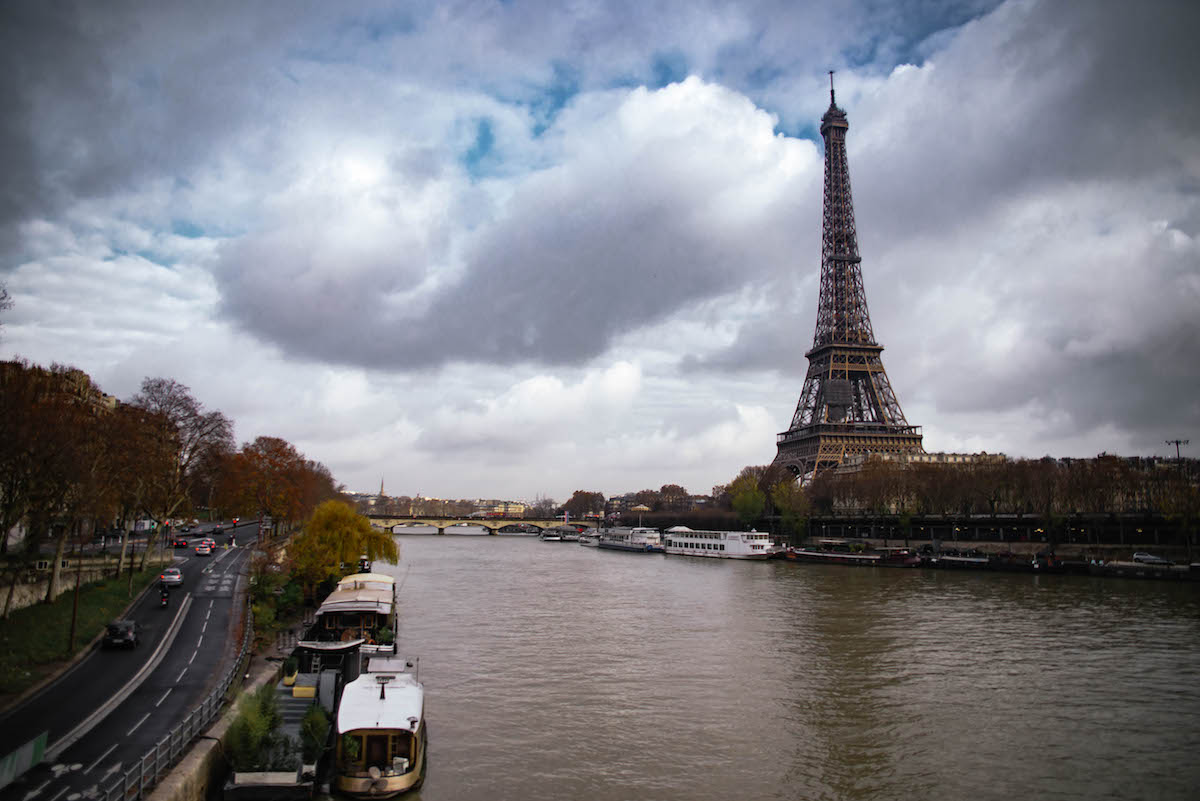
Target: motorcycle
163, 599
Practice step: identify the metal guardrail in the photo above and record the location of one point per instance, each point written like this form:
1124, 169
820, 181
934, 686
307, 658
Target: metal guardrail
136, 782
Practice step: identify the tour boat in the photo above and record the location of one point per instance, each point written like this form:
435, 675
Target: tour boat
683, 541
381, 734
640, 539
589, 538
360, 612
550, 535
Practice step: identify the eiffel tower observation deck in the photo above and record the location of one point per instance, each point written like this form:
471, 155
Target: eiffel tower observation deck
847, 405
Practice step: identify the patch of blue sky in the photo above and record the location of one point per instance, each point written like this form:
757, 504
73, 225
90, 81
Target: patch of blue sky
187, 228
913, 26
798, 129
549, 100
668, 68
477, 158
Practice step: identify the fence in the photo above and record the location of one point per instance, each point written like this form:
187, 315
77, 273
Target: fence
136, 782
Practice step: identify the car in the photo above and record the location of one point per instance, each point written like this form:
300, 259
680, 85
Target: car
185, 529
217, 530
203, 550
179, 542
122, 634
209, 541
1151, 559
171, 577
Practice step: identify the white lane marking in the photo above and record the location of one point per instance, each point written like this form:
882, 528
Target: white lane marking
37, 791
101, 758
200, 641
139, 723
160, 700
204, 628
208, 614
181, 674
193, 659
58, 795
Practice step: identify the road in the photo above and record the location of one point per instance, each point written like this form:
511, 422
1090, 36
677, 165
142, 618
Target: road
192, 660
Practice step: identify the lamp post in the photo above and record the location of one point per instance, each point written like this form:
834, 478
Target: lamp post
1177, 443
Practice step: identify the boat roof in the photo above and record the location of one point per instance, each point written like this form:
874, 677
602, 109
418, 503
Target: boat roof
361, 592
367, 578
357, 601
401, 707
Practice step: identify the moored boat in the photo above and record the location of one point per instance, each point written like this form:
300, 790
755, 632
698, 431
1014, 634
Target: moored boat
833, 552
589, 538
638, 539
961, 560
683, 541
360, 612
381, 733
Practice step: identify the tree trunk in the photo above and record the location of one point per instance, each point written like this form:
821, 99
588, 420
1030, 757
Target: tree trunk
124, 546
56, 568
75, 606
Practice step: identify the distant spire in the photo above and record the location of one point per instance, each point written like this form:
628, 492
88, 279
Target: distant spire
381, 486
832, 102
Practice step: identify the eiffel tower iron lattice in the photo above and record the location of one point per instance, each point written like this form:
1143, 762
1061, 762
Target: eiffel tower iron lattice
847, 405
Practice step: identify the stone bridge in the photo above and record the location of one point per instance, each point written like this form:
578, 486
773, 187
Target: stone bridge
492, 524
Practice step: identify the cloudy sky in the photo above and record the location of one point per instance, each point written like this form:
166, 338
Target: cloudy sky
515, 249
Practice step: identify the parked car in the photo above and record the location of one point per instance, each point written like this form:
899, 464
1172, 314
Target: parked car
122, 634
203, 549
1151, 559
179, 542
171, 577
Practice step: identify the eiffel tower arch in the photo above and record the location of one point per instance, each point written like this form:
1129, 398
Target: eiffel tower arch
847, 405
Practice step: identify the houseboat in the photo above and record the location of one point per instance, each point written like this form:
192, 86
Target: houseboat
841, 552
360, 612
639, 539
683, 541
381, 734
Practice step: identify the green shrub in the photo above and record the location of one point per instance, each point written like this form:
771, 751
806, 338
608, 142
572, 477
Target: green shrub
253, 741
314, 730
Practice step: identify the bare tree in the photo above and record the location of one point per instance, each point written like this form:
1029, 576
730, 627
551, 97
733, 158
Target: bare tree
185, 433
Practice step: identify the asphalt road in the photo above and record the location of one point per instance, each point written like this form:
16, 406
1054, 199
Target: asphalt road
191, 663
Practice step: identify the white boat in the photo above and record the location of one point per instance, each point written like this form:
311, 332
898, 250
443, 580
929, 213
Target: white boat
640, 539
381, 734
360, 612
589, 538
683, 541
550, 535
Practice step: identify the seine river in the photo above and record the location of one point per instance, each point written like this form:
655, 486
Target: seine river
554, 671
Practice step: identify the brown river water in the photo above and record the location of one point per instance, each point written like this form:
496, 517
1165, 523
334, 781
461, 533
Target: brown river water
555, 671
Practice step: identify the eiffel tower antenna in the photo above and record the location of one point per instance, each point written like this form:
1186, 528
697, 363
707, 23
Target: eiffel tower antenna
847, 405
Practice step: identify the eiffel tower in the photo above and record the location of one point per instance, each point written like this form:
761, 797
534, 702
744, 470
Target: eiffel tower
847, 405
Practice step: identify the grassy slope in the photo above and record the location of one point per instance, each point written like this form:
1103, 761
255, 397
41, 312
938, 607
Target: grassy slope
34, 640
